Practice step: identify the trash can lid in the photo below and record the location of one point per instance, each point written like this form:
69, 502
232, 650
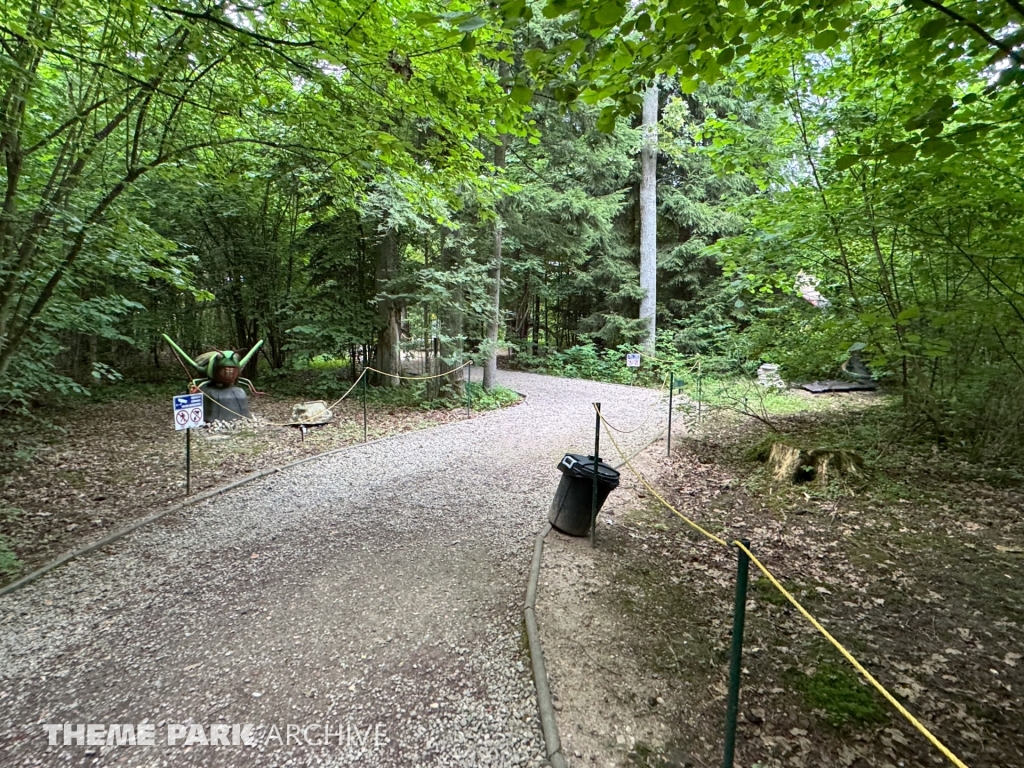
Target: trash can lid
583, 466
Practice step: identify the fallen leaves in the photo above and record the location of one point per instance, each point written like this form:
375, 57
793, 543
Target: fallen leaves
110, 463
899, 582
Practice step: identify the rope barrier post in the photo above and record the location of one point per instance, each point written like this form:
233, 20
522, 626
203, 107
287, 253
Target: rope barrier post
469, 392
597, 461
364, 405
700, 394
700, 390
736, 661
671, 389
745, 558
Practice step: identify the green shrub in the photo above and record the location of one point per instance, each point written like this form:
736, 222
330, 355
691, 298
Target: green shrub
499, 397
328, 363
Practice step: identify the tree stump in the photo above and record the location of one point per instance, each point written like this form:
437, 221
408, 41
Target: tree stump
821, 465
830, 464
786, 462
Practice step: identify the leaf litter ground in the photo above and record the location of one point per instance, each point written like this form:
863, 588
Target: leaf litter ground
101, 465
917, 572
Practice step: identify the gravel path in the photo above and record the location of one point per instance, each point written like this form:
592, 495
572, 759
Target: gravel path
377, 592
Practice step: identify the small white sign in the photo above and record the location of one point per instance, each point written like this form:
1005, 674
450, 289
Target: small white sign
188, 411
633, 360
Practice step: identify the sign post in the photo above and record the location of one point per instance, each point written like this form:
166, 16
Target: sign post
633, 362
188, 414
671, 390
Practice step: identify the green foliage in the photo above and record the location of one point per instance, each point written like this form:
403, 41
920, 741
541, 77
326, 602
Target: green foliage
805, 343
498, 397
255, 178
612, 47
744, 395
308, 381
328, 363
572, 228
328, 378
584, 361
415, 395
587, 362
895, 192
10, 565
183, 181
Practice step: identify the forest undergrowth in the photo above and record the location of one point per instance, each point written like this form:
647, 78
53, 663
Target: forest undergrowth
913, 567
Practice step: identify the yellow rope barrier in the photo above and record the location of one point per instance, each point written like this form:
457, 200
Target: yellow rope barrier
661, 393
418, 378
920, 727
292, 423
856, 664
338, 401
674, 363
657, 495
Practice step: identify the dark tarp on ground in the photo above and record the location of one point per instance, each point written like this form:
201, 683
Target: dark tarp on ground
834, 385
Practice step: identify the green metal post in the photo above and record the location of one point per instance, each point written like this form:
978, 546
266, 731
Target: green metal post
732, 705
700, 392
188, 462
364, 405
597, 462
671, 390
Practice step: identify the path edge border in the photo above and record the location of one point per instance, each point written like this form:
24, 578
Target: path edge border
545, 705
110, 538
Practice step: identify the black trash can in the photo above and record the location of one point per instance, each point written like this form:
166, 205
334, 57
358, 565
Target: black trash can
570, 511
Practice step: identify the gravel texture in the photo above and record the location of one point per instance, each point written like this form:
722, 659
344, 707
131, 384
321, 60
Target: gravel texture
377, 591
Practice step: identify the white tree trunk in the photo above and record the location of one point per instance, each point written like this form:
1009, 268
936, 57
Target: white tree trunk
494, 316
649, 215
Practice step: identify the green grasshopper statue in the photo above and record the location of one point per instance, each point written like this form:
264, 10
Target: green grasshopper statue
222, 367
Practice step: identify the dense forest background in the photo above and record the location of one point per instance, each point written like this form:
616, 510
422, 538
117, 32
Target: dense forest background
351, 180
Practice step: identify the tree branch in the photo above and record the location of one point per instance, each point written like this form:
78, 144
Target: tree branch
359, 18
68, 123
208, 16
11, 344
1016, 5
977, 29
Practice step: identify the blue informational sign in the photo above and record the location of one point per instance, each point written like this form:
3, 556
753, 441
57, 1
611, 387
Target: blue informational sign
188, 411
